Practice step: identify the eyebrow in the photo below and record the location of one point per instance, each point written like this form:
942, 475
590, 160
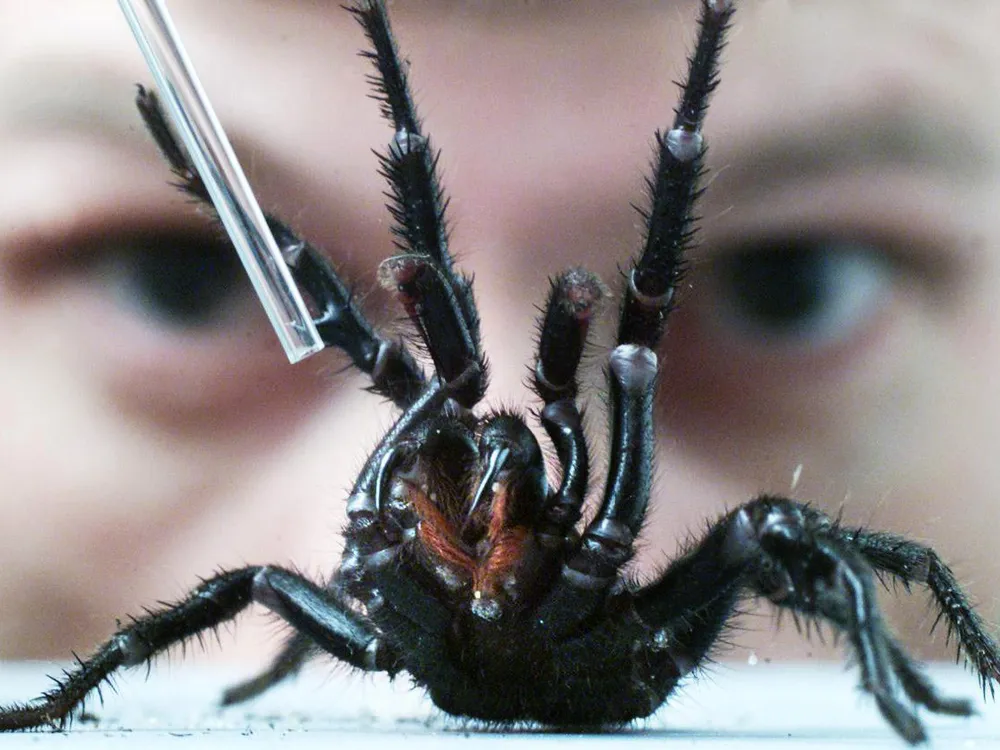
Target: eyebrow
99, 105
58, 97
908, 135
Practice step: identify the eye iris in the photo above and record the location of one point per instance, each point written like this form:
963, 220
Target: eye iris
182, 281
803, 289
780, 288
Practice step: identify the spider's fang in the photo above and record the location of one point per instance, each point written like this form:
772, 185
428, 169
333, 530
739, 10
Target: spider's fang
561, 420
494, 465
386, 466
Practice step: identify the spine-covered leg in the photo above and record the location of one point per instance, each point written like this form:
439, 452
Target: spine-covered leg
674, 190
607, 543
437, 298
800, 560
911, 562
310, 609
648, 298
340, 322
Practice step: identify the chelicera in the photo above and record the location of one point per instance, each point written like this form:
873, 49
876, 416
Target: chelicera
464, 565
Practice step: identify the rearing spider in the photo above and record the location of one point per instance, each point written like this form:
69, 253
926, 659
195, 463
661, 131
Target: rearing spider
462, 566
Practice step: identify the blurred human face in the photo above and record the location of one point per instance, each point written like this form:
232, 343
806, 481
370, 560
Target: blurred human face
151, 436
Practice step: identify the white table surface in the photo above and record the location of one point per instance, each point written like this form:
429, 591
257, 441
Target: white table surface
738, 706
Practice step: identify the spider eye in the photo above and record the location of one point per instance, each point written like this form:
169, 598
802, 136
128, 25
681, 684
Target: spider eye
800, 290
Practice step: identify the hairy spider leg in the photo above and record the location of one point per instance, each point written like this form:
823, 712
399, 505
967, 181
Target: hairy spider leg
316, 613
591, 568
438, 299
341, 323
309, 608
799, 559
911, 562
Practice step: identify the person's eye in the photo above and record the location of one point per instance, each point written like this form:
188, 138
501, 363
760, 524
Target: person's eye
177, 280
163, 315
803, 292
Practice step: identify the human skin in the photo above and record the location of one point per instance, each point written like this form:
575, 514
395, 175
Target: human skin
138, 453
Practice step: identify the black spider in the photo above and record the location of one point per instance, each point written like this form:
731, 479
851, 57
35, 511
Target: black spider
462, 566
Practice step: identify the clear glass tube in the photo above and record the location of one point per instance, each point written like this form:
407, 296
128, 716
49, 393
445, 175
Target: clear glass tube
199, 129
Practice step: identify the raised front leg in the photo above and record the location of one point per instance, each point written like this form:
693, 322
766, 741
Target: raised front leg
340, 321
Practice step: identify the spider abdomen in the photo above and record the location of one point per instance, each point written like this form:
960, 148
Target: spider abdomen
513, 671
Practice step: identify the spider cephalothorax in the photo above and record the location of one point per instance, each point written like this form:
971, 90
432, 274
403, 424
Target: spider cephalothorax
462, 565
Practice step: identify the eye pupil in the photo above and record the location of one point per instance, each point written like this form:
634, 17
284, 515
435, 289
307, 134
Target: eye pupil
183, 281
802, 289
779, 287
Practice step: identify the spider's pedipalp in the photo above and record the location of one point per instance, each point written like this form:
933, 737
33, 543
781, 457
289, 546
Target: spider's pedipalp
564, 425
576, 297
424, 291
